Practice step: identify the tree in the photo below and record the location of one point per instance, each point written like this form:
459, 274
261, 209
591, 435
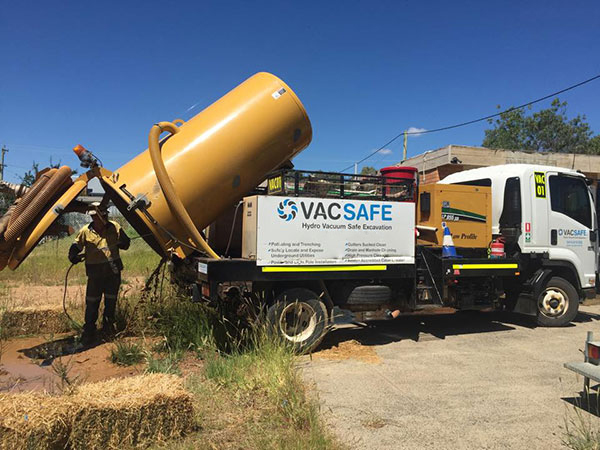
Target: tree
368, 170
30, 176
548, 130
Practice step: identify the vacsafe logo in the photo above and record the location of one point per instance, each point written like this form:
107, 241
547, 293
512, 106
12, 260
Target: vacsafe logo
334, 211
287, 210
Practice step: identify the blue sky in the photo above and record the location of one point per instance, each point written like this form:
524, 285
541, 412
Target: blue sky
101, 73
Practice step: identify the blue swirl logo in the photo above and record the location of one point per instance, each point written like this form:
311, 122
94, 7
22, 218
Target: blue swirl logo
287, 210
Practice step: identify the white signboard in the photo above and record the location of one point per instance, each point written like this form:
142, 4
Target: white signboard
311, 231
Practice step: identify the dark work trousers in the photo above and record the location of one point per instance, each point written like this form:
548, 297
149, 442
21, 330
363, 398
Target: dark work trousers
107, 285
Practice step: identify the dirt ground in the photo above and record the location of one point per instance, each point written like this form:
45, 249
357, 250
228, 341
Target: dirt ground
28, 364
32, 296
451, 381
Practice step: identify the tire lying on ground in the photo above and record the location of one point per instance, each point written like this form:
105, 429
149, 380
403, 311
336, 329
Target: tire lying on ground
299, 317
557, 304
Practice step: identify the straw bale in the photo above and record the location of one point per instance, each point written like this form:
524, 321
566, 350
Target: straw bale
26, 320
33, 421
130, 412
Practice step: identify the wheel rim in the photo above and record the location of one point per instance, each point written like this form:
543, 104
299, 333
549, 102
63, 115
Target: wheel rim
298, 321
553, 302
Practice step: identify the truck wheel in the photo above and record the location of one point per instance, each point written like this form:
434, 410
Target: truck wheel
300, 317
557, 304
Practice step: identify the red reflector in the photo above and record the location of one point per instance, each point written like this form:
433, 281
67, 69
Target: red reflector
205, 290
593, 351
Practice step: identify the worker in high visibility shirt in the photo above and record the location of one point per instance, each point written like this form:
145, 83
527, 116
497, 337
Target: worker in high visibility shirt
100, 242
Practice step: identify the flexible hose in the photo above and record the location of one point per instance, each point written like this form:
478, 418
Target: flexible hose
232, 228
174, 202
56, 183
31, 193
64, 302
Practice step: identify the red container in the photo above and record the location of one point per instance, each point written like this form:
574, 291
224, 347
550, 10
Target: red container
400, 182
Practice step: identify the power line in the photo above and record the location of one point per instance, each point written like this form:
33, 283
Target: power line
481, 119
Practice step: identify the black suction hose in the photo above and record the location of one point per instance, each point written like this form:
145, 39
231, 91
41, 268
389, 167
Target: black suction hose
64, 302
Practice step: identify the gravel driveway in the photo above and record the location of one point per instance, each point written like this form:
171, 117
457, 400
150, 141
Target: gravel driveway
464, 380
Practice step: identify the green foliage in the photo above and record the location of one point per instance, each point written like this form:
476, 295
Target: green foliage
581, 432
548, 130
30, 176
183, 324
6, 199
48, 263
368, 170
168, 364
126, 353
259, 386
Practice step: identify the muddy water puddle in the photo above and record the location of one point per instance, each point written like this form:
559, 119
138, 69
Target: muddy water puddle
41, 364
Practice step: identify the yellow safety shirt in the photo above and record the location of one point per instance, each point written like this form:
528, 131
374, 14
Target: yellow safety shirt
100, 248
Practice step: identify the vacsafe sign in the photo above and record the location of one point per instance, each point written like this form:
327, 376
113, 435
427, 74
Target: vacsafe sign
315, 231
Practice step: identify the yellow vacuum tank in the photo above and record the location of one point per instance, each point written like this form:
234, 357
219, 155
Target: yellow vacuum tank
212, 160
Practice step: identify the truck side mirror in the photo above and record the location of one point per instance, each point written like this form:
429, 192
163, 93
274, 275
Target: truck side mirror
593, 235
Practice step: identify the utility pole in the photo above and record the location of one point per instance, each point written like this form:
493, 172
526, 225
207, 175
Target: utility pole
405, 143
4, 151
355, 168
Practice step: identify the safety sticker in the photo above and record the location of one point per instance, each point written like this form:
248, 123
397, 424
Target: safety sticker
278, 93
527, 237
540, 184
528, 227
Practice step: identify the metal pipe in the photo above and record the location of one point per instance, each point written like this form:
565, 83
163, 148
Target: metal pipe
174, 202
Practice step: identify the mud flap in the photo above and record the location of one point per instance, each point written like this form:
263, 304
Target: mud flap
527, 303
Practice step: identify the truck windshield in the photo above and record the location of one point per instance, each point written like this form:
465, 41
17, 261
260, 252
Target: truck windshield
569, 196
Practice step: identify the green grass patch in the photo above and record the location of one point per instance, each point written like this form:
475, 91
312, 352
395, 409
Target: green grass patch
582, 430
126, 353
169, 363
48, 263
263, 403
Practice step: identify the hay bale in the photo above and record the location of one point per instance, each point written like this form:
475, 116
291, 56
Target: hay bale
33, 421
130, 412
116, 413
34, 320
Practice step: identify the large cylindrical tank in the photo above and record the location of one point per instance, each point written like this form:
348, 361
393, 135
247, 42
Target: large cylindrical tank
215, 159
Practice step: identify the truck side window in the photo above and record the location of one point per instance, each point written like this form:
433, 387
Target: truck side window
481, 182
511, 210
569, 196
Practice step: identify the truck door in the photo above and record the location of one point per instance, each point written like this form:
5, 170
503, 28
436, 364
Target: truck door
572, 224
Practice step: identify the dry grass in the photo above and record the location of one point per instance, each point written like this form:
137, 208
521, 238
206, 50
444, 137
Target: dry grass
349, 350
262, 402
33, 421
48, 263
129, 412
28, 321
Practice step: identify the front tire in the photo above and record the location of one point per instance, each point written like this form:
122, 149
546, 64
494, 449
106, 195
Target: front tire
557, 304
299, 317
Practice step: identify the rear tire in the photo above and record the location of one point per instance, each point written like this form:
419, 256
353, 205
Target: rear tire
557, 304
299, 317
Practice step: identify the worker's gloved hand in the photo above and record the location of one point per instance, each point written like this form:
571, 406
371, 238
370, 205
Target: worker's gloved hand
76, 258
74, 255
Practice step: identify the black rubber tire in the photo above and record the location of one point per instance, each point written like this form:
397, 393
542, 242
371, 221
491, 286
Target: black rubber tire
314, 324
370, 295
570, 310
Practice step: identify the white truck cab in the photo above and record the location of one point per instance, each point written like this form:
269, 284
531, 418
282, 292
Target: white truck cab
546, 215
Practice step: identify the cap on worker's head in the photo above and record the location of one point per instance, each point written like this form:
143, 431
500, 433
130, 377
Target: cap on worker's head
79, 149
97, 208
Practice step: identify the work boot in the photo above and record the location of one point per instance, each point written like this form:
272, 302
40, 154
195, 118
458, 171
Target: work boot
88, 337
108, 330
